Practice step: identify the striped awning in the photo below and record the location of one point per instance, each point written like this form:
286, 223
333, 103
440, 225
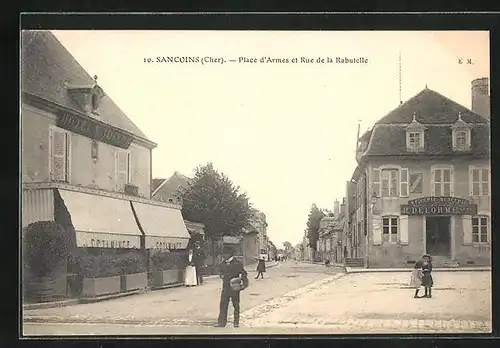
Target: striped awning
101, 221
163, 227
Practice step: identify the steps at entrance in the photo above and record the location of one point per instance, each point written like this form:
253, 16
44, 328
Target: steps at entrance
444, 262
352, 262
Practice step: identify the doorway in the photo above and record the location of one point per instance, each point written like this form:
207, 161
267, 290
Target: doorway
437, 235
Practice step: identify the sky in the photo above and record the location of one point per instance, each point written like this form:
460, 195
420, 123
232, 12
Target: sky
284, 132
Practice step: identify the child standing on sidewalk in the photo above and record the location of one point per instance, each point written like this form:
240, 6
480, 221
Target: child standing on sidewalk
416, 277
427, 280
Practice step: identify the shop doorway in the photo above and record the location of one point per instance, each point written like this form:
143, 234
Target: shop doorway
437, 235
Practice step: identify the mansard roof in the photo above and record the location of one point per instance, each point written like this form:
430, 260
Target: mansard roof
46, 68
438, 114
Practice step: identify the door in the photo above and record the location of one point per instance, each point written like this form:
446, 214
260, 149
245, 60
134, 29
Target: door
437, 237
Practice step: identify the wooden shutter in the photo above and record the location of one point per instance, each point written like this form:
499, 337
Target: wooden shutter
376, 182
467, 228
471, 181
58, 155
403, 229
121, 169
452, 183
433, 188
377, 229
404, 178
129, 168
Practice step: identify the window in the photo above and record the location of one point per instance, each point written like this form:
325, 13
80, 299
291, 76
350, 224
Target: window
390, 229
442, 182
480, 181
414, 140
60, 155
480, 229
390, 183
461, 140
123, 169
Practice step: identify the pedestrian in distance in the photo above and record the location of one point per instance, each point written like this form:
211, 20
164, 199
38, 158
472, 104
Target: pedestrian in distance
327, 263
416, 277
234, 280
261, 267
199, 262
427, 281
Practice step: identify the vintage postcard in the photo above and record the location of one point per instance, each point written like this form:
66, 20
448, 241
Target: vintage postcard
255, 182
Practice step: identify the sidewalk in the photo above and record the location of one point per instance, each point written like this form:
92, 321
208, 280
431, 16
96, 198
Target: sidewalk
440, 269
83, 300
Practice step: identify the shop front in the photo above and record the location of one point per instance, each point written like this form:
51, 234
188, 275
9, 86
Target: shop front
445, 224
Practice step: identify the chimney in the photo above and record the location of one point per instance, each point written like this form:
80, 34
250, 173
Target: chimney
336, 208
342, 207
480, 97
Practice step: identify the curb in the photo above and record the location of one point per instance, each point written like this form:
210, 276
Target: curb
386, 270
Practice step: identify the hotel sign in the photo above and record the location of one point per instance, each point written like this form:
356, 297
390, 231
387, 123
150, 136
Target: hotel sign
439, 206
94, 130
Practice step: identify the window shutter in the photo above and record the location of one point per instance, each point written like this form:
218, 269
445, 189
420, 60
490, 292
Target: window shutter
68, 157
129, 163
403, 229
58, 160
433, 188
452, 183
377, 230
121, 169
376, 182
471, 173
467, 228
403, 182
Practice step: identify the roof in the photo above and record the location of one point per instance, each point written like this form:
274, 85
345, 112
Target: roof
47, 66
169, 188
431, 108
437, 114
156, 183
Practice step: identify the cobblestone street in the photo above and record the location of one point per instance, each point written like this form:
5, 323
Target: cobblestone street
293, 298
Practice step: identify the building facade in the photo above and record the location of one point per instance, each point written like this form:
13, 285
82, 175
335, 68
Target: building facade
85, 164
422, 184
331, 234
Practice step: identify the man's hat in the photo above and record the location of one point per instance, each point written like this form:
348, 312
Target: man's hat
427, 255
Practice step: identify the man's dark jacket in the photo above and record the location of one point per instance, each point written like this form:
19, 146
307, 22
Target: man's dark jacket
232, 270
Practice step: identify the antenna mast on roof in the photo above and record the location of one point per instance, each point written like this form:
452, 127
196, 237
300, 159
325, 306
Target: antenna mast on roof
357, 138
400, 100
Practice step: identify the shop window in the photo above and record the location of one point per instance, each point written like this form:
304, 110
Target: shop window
480, 231
390, 229
479, 181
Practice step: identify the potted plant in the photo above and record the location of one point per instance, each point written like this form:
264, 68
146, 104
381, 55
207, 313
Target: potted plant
100, 275
164, 268
133, 271
45, 249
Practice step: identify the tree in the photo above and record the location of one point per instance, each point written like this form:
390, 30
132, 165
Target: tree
287, 245
315, 216
212, 199
272, 248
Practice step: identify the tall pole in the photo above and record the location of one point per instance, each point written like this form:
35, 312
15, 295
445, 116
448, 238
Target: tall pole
400, 98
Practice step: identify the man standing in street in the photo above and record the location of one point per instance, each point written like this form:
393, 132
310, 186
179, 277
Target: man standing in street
234, 279
199, 262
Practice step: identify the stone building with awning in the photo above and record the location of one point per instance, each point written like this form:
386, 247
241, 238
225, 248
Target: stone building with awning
422, 183
85, 164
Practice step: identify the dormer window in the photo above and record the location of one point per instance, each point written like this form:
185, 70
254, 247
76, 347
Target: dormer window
415, 141
87, 97
461, 133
